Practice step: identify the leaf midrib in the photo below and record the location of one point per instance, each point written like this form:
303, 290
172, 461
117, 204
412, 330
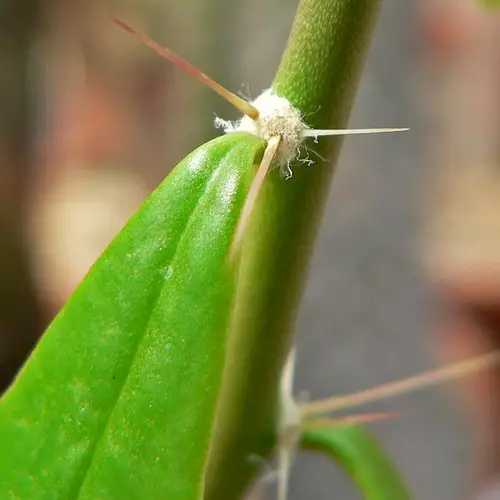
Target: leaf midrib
92, 453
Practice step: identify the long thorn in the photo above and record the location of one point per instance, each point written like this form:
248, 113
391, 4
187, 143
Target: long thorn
239, 103
288, 426
321, 132
253, 193
324, 423
400, 387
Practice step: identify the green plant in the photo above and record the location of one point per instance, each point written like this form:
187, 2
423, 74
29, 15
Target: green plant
491, 3
161, 375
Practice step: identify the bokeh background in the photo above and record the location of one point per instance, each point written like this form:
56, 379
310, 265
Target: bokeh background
406, 273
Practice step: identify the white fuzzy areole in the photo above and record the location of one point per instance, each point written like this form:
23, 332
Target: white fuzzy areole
277, 117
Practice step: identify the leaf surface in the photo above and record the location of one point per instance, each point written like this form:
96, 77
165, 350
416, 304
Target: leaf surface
118, 398
362, 458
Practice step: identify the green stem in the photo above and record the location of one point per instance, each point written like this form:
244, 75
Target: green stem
319, 74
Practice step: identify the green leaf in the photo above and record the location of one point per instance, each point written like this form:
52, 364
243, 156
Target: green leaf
362, 459
118, 399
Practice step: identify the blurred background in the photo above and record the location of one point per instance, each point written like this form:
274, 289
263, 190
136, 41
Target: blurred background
406, 273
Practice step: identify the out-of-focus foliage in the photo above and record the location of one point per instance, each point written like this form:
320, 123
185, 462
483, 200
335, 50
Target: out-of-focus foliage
491, 3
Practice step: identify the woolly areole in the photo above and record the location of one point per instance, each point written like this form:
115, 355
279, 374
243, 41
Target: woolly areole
277, 117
